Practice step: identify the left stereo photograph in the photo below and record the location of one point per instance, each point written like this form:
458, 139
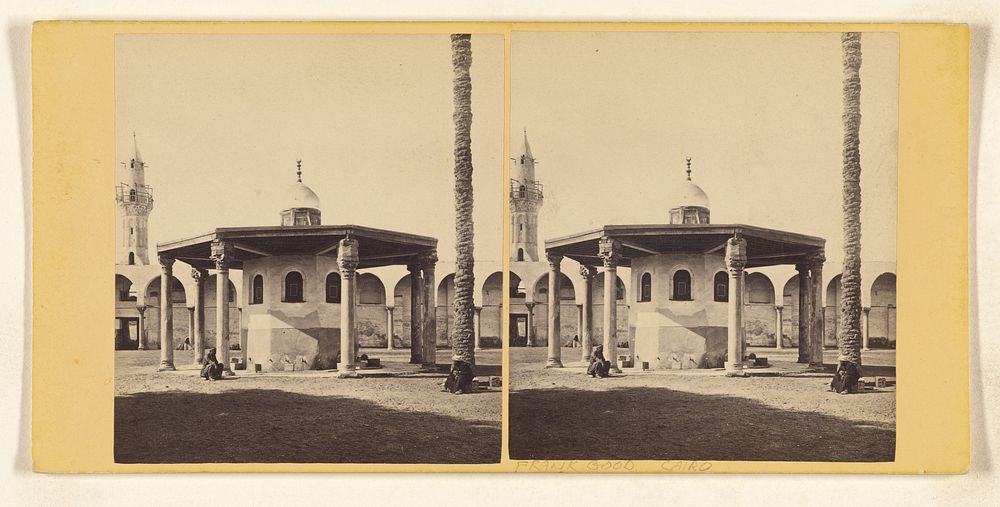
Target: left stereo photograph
303, 272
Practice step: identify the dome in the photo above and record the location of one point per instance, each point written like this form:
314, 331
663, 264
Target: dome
300, 196
689, 194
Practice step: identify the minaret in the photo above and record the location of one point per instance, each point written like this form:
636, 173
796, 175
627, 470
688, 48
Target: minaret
135, 199
525, 199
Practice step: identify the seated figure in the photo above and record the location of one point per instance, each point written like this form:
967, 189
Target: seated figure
846, 378
599, 366
211, 368
460, 378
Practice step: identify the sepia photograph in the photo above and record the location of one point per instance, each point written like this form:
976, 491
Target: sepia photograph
307, 263
703, 246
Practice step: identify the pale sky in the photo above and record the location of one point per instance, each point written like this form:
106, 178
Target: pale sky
611, 117
221, 119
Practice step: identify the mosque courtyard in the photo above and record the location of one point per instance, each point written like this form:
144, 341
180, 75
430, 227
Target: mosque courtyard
562, 413
397, 414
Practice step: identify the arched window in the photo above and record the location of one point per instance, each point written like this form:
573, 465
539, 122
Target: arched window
520, 254
131, 195
646, 288
293, 288
682, 286
721, 287
257, 290
131, 258
333, 288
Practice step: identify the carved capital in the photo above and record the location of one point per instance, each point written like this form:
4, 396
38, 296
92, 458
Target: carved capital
803, 269
347, 257
588, 272
554, 260
428, 260
736, 255
477, 309
199, 275
816, 260
866, 309
141, 308
167, 263
222, 254
778, 307
529, 306
610, 252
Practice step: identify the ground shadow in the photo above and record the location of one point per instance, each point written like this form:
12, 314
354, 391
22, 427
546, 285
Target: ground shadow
643, 423
274, 426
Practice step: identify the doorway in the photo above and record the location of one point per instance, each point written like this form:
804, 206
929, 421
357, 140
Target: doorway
518, 329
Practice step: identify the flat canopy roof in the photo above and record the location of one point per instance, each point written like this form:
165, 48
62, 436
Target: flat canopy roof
765, 247
376, 247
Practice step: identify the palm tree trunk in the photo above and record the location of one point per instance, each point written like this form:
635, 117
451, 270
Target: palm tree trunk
462, 338
849, 338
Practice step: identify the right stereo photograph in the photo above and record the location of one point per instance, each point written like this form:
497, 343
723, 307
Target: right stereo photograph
703, 246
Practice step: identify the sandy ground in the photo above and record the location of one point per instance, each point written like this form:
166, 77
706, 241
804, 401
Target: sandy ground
176, 417
698, 415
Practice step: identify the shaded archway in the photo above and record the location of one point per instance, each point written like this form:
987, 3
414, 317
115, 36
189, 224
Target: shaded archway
831, 312
491, 315
758, 311
211, 298
790, 313
401, 323
181, 315
568, 318
597, 304
126, 314
882, 316
370, 312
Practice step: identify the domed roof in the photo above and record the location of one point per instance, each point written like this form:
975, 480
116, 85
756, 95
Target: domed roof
299, 195
689, 194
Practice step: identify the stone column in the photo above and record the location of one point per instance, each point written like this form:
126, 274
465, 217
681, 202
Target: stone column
816, 330
777, 328
804, 313
475, 326
222, 254
554, 359
416, 342
198, 333
587, 312
736, 260
347, 263
141, 327
166, 315
429, 328
530, 330
609, 251
389, 324
864, 327
191, 327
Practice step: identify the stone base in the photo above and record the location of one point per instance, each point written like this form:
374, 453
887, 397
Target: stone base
348, 374
166, 367
553, 363
735, 370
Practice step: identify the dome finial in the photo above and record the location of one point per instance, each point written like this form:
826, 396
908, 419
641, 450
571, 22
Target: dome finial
689, 168
298, 169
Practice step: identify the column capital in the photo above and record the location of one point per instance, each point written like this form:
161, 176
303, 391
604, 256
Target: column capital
866, 309
736, 255
778, 307
199, 275
167, 263
414, 269
477, 309
428, 260
610, 252
816, 260
222, 254
554, 260
588, 272
141, 309
802, 268
529, 305
347, 256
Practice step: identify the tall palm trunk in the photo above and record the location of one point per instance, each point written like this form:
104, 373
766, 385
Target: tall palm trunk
849, 338
462, 337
